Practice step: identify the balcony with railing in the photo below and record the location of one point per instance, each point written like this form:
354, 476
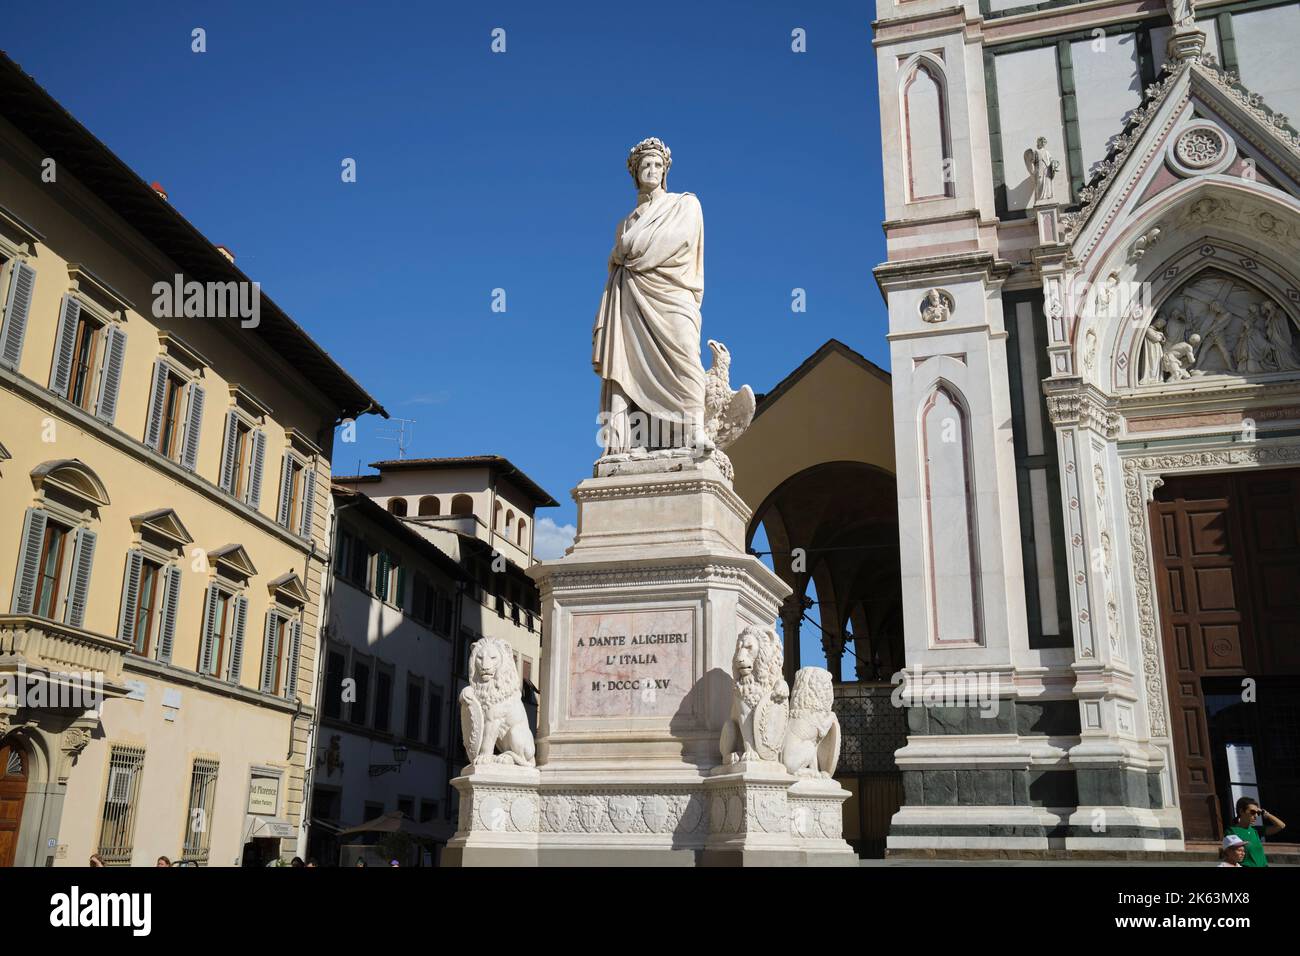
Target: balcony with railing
59, 653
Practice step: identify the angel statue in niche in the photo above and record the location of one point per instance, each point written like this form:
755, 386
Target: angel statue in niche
1042, 169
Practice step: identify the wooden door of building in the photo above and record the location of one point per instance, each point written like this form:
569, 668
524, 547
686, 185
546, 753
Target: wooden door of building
1228, 579
13, 793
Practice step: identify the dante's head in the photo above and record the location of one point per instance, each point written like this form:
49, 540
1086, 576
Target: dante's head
649, 162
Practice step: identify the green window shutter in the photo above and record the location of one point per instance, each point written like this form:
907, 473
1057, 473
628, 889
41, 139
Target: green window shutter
29, 559
255, 469
286, 489
228, 450
269, 651
291, 659
381, 576
22, 282
237, 639
171, 605
130, 597
193, 425
83, 557
157, 396
110, 377
401, 586
308, 502
65, 341
207, 644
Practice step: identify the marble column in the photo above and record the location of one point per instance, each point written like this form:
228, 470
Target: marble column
792, 611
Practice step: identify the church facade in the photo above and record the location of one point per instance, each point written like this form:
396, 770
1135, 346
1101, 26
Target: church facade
1092, 234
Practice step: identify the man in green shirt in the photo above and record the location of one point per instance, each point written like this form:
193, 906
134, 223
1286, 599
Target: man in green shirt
1248, 815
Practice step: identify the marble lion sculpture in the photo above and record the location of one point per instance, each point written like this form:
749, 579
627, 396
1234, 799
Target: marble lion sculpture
756, 728
491, 712
812, 739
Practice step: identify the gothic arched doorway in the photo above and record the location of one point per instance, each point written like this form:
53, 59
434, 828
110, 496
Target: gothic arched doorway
15, 769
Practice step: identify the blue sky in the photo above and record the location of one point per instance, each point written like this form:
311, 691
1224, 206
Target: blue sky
479, 171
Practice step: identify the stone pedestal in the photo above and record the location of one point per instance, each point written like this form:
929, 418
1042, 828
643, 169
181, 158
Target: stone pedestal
817, 822
749, 816
640, 620
499, 814
1184, 43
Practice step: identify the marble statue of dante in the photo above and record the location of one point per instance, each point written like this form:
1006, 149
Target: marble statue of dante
646, 340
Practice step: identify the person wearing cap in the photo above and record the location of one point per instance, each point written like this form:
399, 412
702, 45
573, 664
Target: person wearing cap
1233, 850
1248, 825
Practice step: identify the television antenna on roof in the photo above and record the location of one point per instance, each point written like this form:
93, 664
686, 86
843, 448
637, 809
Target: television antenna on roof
401, 435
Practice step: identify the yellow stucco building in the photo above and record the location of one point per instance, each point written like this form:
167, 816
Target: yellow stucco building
165, 517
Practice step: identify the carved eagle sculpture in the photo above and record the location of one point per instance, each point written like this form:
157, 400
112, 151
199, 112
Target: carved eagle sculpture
727, 413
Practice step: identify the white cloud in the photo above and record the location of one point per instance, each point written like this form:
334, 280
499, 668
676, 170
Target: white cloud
550, 539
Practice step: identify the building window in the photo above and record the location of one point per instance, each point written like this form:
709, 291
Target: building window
297, 495
523, 525
17, 305
380, 582
198, 821
462, 505
221, 649
414, 701
429, 507
383, 700
510, 524
54, 564
150, 601
925, 131
88, 356
49, 576
446, 611
281, 645
373, 811
175, 415
526, 669
117, 822
243, 459
406, 806
428, 810
423, 601
85, 351
334, 670
435, 717
397, 506
353, 560
361, 690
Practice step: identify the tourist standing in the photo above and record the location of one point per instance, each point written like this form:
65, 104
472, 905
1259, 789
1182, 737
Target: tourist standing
1250, 821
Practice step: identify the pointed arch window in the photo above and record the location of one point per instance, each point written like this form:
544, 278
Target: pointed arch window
927, 150
951, 555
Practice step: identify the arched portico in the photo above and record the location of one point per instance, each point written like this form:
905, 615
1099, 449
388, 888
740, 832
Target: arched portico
836, 524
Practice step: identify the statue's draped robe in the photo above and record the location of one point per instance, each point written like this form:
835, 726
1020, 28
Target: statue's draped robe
647, 333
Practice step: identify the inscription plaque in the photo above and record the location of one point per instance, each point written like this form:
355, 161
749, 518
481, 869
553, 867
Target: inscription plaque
631, 663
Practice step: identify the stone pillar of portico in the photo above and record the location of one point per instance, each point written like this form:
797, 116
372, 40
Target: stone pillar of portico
792, 611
